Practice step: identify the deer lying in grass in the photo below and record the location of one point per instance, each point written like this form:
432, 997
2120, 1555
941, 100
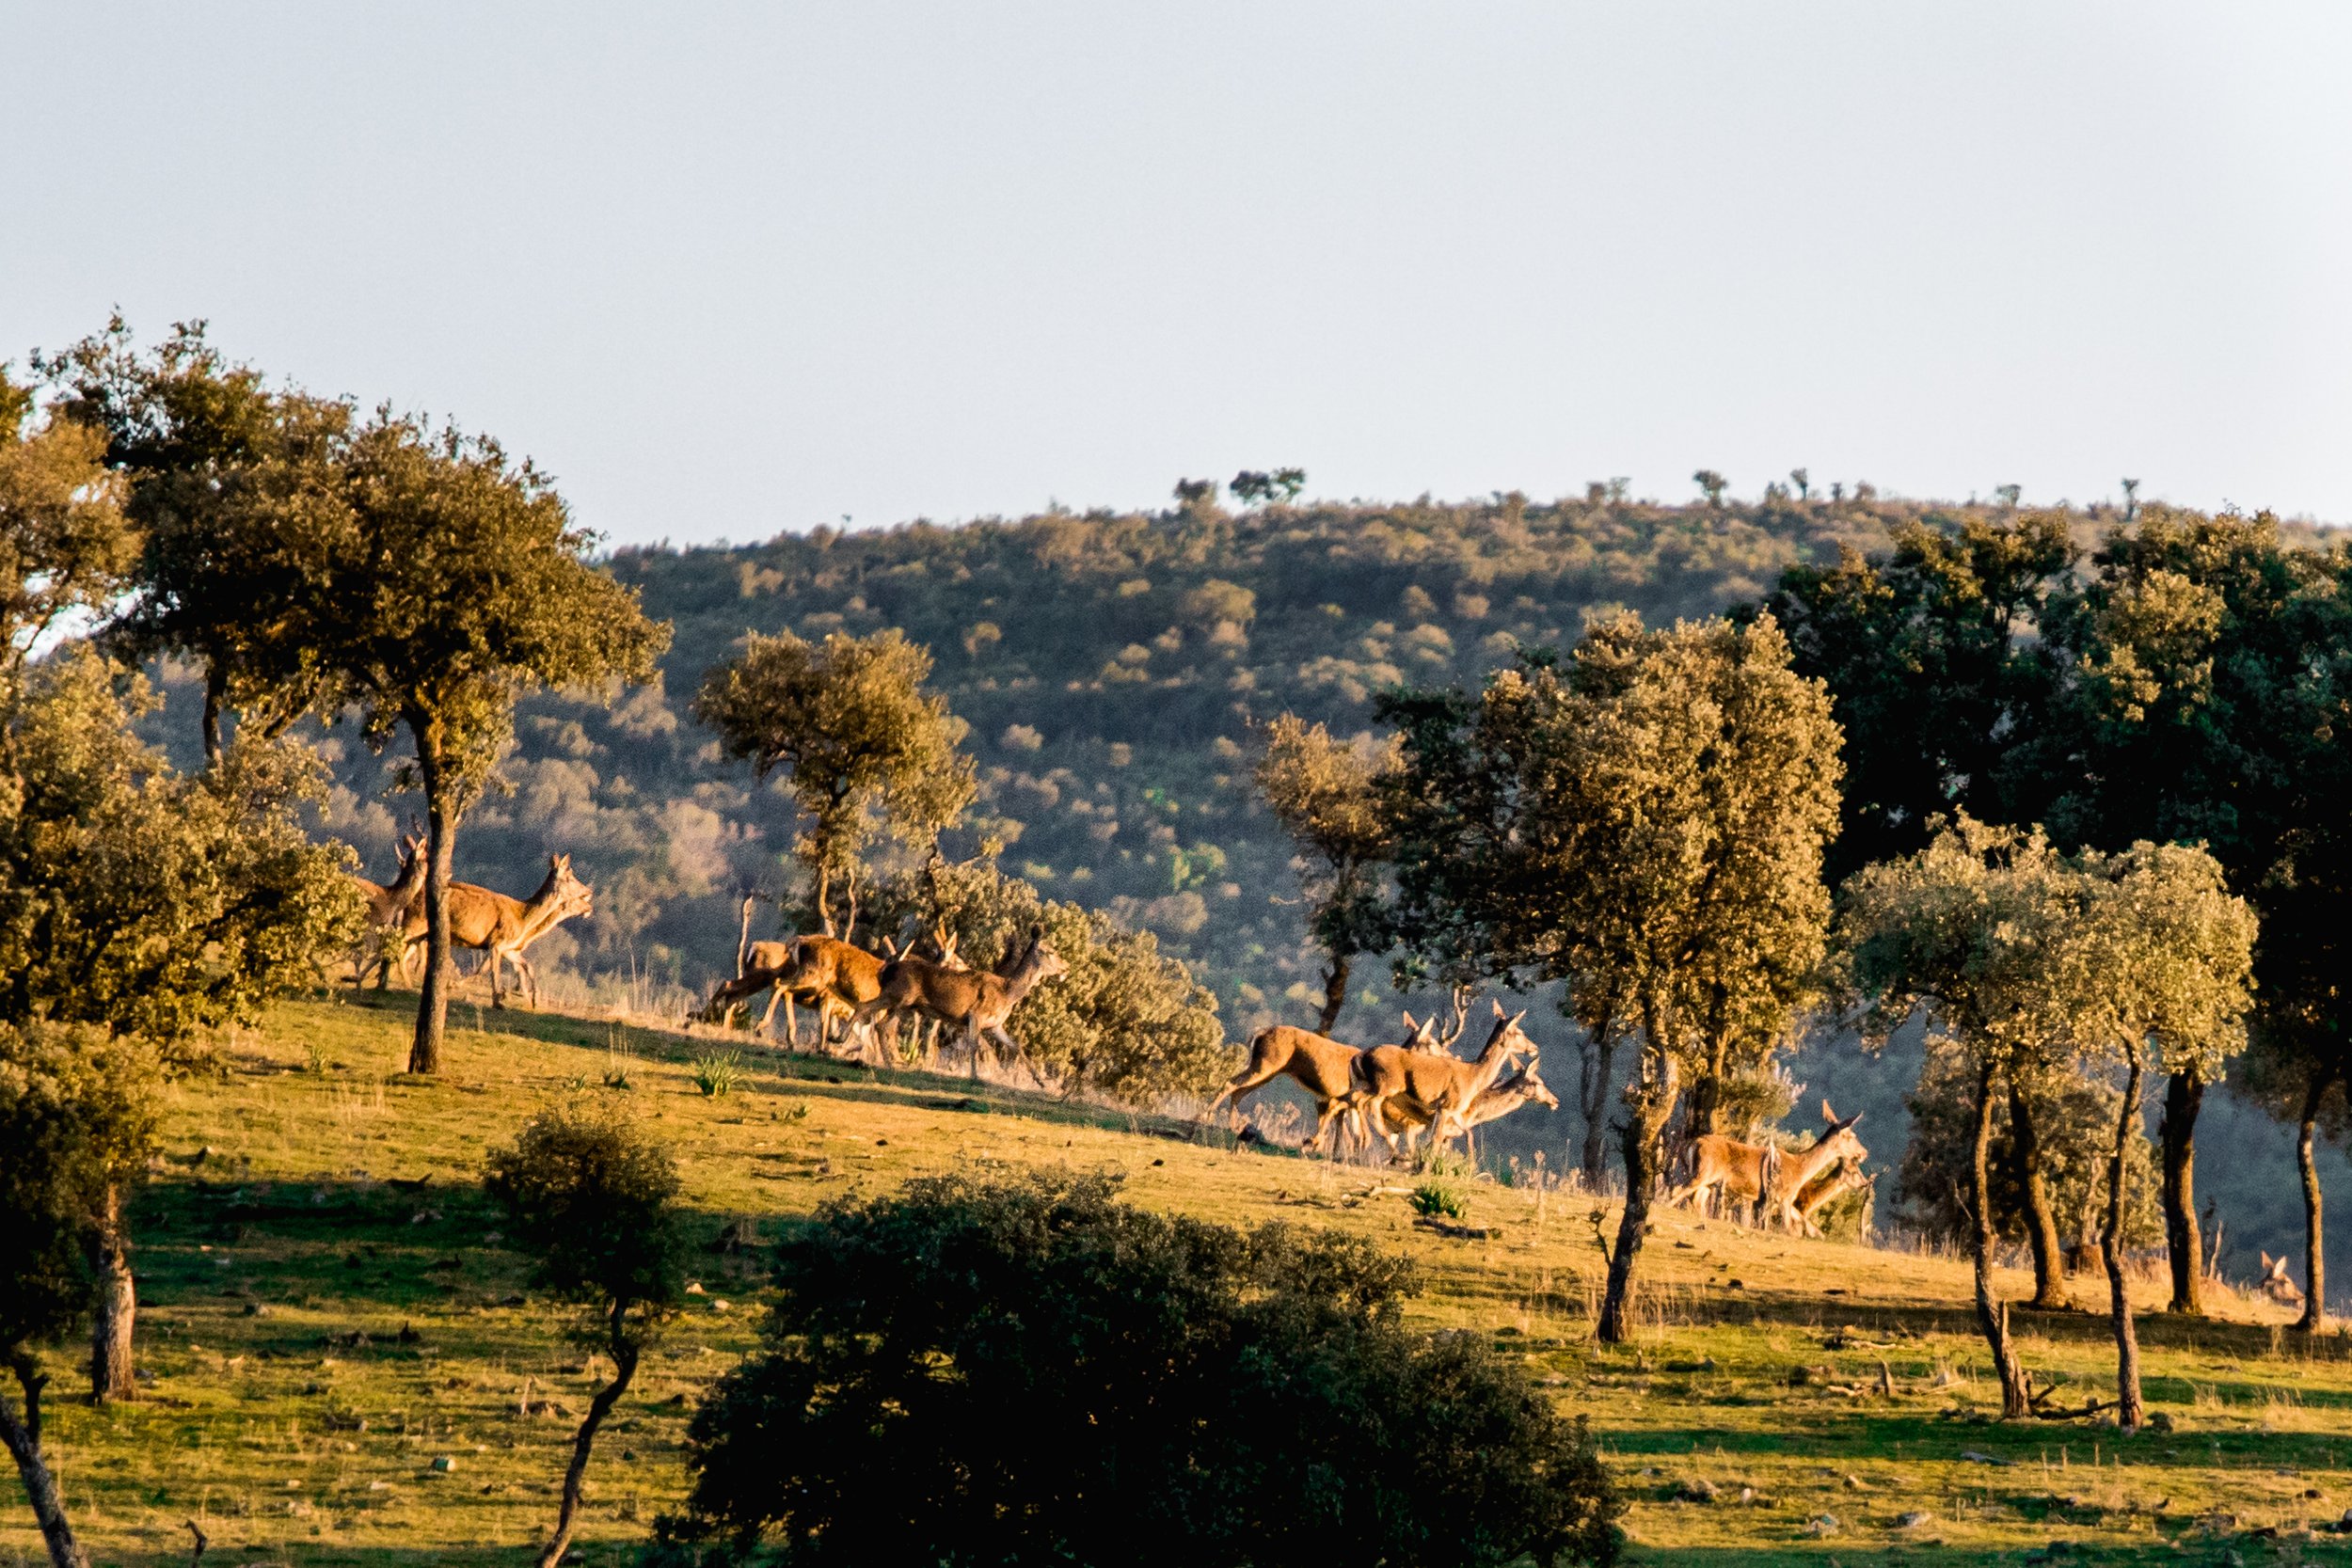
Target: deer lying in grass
2275, 1283
1766, 1178
973, 1006
1316, 1063
820, 972
502, 929
1433, 1078
389, 908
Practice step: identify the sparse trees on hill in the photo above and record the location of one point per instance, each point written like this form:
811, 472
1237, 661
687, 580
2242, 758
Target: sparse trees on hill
864, 747
596, 1201
1327, 795
1254, 487
1182, 1393
1647, 824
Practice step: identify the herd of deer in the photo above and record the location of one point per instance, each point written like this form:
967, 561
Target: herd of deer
869, 994
500, 928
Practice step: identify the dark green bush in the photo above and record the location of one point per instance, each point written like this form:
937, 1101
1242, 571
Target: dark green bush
1033, 1372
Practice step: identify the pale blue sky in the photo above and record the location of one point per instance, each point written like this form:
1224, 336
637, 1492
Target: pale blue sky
732, 270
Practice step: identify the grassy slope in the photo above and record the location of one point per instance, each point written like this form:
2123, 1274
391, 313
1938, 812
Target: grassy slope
294, 1442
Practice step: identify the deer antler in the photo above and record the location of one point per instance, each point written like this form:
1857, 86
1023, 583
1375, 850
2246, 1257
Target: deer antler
1460, 1019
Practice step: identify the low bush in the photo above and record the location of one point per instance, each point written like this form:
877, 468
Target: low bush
1033, 1372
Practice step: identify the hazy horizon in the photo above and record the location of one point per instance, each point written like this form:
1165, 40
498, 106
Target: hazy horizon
740, 270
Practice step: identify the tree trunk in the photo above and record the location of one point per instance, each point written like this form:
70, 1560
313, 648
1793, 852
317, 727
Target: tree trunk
623, 1355
215, 698
117, 1303
1334, 992
2314, 1264
1707, 1098
440, 820
2183, 1096
21, 1437
2024, 1145
1601, 1060
824, 898
1649, 1102
2128, 1410
1992, 1311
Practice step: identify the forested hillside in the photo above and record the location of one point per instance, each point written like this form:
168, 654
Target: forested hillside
1110, 668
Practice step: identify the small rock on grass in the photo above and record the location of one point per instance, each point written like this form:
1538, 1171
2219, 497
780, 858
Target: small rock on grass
1915, 1518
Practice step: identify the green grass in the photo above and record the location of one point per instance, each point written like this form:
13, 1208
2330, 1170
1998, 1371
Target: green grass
327, 1310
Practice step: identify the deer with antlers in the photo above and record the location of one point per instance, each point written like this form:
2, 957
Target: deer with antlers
502, 929
972, 1005
1763, 1176
1526, 1086
389, 906
1426, 1074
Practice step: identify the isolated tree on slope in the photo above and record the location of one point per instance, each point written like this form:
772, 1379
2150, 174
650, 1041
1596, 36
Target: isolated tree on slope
1649, 825
460, 582
849, 722
1325, 793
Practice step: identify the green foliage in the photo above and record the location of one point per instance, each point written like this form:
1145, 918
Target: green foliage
849, 722
593, 1199
78, 1116
973, 1373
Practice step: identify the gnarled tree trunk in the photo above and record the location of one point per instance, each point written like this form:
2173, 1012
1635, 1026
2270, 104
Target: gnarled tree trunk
1649, 1103
20, 1435
2128, 1410
624, 1351
2183, 1096
2314, 1263
2025, 1148
1992, 1311
111, 1373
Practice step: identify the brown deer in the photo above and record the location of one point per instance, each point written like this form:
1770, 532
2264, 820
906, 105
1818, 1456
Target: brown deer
820, 972
1827, 1188
1523, 1087
388, 908
501, 929
1763, 1176
1316, 1063
2275, 1283
974, 1005
1435, 1079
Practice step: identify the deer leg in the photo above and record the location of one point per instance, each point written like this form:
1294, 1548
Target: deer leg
791, 1024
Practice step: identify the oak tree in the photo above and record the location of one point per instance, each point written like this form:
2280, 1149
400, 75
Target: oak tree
1325, 793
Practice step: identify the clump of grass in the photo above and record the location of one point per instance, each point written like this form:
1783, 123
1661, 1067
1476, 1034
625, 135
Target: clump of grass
317, 1053
617, 1056
1439, 1196
716, 1072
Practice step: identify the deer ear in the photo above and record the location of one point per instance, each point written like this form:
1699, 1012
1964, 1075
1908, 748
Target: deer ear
1514, 1017
2266, 1265
1828, 1115
1410, 1027
1498, 1007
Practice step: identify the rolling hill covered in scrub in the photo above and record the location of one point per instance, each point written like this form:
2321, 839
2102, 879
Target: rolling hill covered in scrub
1110, 666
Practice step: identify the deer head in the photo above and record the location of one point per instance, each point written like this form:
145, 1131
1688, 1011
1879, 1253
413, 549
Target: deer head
2275, 1285
1530, 1082
573, 897
1838, 1138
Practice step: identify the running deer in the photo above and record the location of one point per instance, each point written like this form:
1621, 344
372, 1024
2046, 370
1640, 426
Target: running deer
1523, 1087
2275, 1283
820, 972
1434, 1079
388, 908
1316, 1063
1763, 1176
974, 1005
502, 929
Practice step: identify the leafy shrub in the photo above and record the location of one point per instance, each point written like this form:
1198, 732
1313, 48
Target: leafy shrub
1033, 1372
1437, 1196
